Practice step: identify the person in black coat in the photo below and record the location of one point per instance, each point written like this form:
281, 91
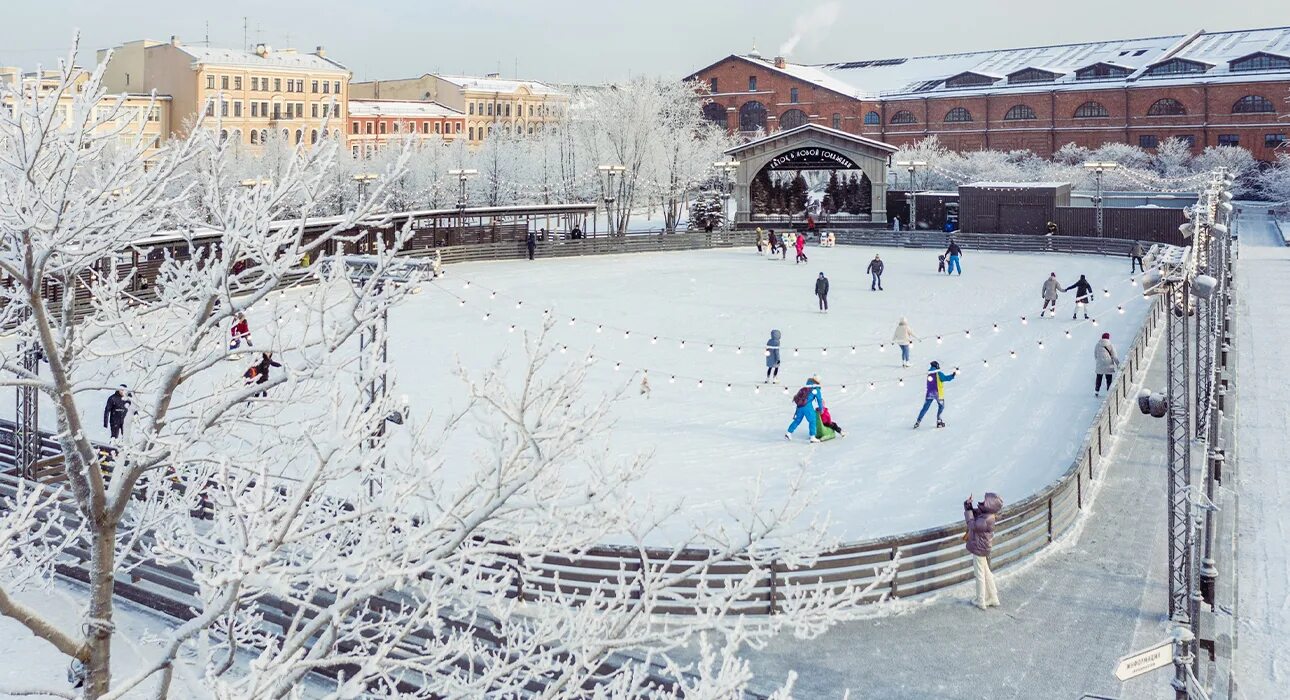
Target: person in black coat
530, 242
259, 372
118, 404
1083, 295
875, 274
822, 291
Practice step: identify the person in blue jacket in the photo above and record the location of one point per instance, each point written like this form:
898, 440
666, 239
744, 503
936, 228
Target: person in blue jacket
772, 357
805, 413
936, 380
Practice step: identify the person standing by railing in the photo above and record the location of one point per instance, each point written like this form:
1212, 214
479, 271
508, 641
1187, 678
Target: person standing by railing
1135, 257
530, 242
980, 521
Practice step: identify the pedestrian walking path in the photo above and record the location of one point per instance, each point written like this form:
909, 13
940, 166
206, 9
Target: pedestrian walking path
1065, 618
1261, 663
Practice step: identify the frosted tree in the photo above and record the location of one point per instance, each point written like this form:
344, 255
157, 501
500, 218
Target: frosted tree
382, 584
1238, 162
1173, 158
1273, 183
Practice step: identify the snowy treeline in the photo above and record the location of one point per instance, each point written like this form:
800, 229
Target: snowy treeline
648, 125
1171, 167
198, 432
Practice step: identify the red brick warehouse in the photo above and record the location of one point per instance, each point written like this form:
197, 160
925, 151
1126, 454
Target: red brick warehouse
1212, 89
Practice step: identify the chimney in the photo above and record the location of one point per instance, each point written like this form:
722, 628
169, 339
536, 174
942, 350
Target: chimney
174, 40
780, 62
320, 52
261, 50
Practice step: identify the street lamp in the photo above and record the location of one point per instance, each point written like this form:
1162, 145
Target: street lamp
1098, 168
611, 171
462, 175
253, 182
727, 169
912, 166
362, 179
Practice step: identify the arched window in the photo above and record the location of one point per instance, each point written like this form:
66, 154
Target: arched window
958, 114
904, 116
264, 135
1253, 104
792, 119
300, 136
752, 116
1019, 112
381, 127
223, 135
237, 136
313, 136
1091, 110
715, 113
872, 118
255, 137
470, 133
1167, 107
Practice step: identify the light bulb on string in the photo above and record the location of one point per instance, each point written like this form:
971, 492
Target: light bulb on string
564, 349
739, 351
1068, 334
711, 347
600, 328
627, 334
853, 349
985, 363
938, 340
1041, 345
1120, 309
871, 386
996, 328
794, 352
728, 387
1093, 321
573, 320
901, 381
618, 366
486, 317
785, 391
967, 334
700, 383
882, 347
1012, 354
824, 352
466, 285
511, 329
844, 388
1106, 292
492, 295
519, 303
672, 380
1133, 281
460, 303
1024, 321
682, 344
756, 389
546, 312
654, 340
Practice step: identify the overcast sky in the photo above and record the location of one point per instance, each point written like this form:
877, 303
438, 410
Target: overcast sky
579, 41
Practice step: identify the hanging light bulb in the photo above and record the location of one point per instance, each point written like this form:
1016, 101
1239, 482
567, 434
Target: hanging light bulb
573, 320
466, 285
853, 349
1106, 292
519, 303
967, 334
682, 344
599, 328
794, 352
618, 366
627, 334
756, 389
700, 383
486, 317
1012, 354
844, 388
654, 340
985, 362
711, 347
882, 347
591, 358
728, 387
546, 312
996, 328
785, 391
1093, 321
824, 352
1024, 321
672, 380
511, 329
1041, 345
938, 340
460, 303
1133, 281
492, 295
871, 386
564, 349
739, 351
1068, 334
901, 381
1120, 309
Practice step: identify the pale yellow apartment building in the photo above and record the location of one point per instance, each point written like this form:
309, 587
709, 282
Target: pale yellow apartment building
127, 116
246, 95
491, 104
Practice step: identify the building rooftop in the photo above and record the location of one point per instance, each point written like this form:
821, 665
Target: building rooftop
500, 84
399, 108
270, 58
1160, 60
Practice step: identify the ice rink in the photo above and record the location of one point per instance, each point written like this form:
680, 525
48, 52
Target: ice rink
1014, 424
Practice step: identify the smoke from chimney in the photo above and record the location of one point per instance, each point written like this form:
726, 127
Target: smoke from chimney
811, 24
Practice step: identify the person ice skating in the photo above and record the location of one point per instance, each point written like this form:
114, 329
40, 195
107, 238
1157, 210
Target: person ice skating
118, 404
1083, 295
1105, 362
1051, 289
980, 521
936, 380
822, 291
258, 373
953, 253
240, 332
875, 274
940, 264
800, 245
903, 338
761, 241
808, 394
827, 421
772, 357
436, 265
530, 242
1135, 257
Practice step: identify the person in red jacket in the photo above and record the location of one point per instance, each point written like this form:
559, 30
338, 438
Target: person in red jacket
240, 332
800, 244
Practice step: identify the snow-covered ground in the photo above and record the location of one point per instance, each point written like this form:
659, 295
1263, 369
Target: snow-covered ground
1014, 423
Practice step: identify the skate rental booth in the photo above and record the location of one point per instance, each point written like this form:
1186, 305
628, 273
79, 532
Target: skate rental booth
812, 147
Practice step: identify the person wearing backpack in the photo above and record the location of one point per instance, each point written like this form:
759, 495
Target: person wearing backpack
805, 412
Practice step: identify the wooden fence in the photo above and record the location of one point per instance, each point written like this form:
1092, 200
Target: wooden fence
928, 560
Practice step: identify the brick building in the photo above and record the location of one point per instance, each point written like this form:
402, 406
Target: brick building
1225, 88
375, 123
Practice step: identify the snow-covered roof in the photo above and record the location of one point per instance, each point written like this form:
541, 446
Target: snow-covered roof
925, 76
812, 127
400, 108
271, 59
499, 84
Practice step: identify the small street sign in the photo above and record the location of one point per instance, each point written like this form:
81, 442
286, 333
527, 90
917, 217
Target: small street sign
1145, 661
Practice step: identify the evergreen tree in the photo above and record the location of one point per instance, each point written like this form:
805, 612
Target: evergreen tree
853, 200
797, 192
761, 194
832, 194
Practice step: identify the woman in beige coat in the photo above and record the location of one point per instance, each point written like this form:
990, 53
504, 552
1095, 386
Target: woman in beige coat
904, 337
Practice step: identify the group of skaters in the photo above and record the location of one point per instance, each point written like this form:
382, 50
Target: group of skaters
118, 402
776, 243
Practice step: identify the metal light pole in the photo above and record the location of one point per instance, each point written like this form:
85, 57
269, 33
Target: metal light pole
912, 166
611, 171
727, 169
463, 175
362, 179
1098, 168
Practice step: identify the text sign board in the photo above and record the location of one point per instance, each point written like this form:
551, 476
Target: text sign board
1145, 661
812, 158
